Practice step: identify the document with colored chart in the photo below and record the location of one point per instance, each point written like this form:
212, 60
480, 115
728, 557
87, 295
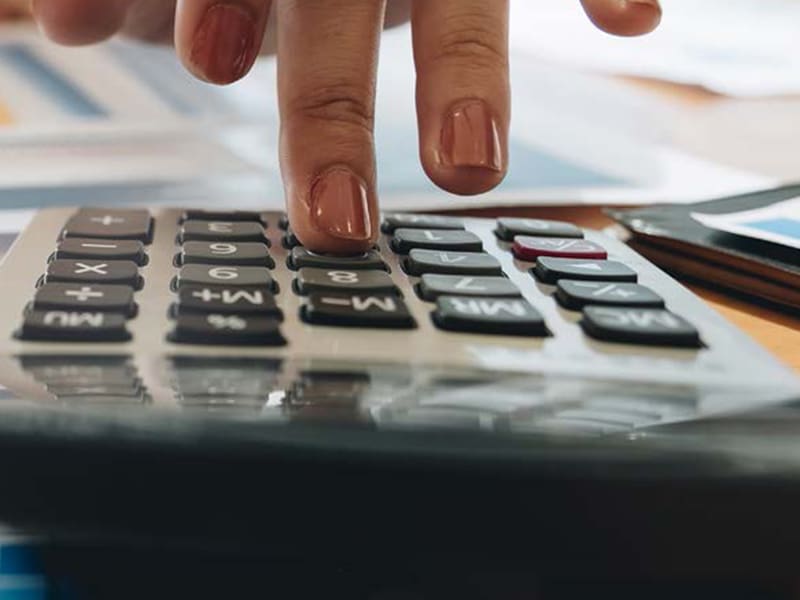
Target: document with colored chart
778, 223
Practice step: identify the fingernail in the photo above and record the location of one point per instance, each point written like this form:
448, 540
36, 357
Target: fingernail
340, 205
653, 3
471, 137
224, 43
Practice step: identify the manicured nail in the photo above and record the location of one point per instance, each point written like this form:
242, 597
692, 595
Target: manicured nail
340, 206
653, 3
471, 138
224, 43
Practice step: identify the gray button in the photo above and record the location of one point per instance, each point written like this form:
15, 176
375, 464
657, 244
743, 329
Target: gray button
222, 231
85, 297
233, 330
451, 263
392, 222
505, 316
508, 228
101, 248
550, 270
227, 300
358, 310
577, 294
311, 280
300, 258
119, 272
73, 326
234, 276
224, 215
111, 224
226, 253
405, 240
639, 326
433, 286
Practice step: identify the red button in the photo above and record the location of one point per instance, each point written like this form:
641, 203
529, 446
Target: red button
530, 248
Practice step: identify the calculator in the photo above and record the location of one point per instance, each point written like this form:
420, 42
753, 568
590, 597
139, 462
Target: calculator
177, 375
513, 325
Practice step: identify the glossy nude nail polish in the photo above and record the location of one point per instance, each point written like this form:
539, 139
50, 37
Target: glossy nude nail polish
224, 45
470, 137
339, 205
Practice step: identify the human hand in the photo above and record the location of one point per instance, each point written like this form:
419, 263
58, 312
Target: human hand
327, 59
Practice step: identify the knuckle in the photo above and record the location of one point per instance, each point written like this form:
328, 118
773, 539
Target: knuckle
472, 41
339, 103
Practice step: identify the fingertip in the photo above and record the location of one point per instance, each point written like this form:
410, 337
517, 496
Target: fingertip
464, 181
78, 22
626, 18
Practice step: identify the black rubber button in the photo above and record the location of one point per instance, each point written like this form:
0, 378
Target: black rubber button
73, 326
227, 300
358, 310
509, 227
432, 286
224, 215
226, 330
551, 270
639, 326
504, 316
300, 258
85, 297
444, 262
101, 249
311, 280
231, 276
118, 272
405, 240
226, 253
110, 224
577, 294
392, 222
222, 231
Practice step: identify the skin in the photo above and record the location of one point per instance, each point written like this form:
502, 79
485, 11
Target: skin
326, 85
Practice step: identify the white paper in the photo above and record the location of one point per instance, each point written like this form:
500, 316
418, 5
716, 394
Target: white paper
737, 47
778, 223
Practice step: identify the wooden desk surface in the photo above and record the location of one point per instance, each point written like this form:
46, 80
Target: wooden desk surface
778, 332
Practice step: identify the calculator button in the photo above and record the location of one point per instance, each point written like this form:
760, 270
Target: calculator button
290, 240
113, 224
639, 326
119, 272
233, 276
508, 228
93, 298
64, 391
577, 294
531, 248
300, 258
550, 270
226, 330
224, 215
405, 240
451, 263
393, 222
227, 300
358, 310
101, 248
73, 326
332, 280
505, 316
222, 231
433, 286
283, 222
226, 253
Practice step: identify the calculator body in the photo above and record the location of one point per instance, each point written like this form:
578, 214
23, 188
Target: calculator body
362, 421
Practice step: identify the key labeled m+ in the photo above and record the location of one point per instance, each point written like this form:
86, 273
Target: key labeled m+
358, 310
227, 300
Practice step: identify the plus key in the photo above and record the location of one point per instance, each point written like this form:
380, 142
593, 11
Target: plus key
97, 298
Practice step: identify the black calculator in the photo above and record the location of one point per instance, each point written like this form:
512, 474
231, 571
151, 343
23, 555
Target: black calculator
509, 324
179, 374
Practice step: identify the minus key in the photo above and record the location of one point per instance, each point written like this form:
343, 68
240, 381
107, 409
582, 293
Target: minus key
74, 248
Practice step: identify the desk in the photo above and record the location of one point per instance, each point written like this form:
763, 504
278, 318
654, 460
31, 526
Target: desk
778, 332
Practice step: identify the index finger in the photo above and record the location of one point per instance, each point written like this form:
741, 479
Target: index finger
624, 17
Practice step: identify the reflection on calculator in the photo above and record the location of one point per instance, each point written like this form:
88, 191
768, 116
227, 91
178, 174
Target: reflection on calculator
520, 324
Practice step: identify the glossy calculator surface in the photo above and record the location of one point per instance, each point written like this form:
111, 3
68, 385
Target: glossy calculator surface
530, 322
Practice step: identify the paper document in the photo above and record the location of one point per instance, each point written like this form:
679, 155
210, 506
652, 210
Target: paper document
736, 47
779, 223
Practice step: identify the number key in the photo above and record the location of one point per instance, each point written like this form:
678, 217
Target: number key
233, 276
226, 253
405, 240
311, 280
222, 231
